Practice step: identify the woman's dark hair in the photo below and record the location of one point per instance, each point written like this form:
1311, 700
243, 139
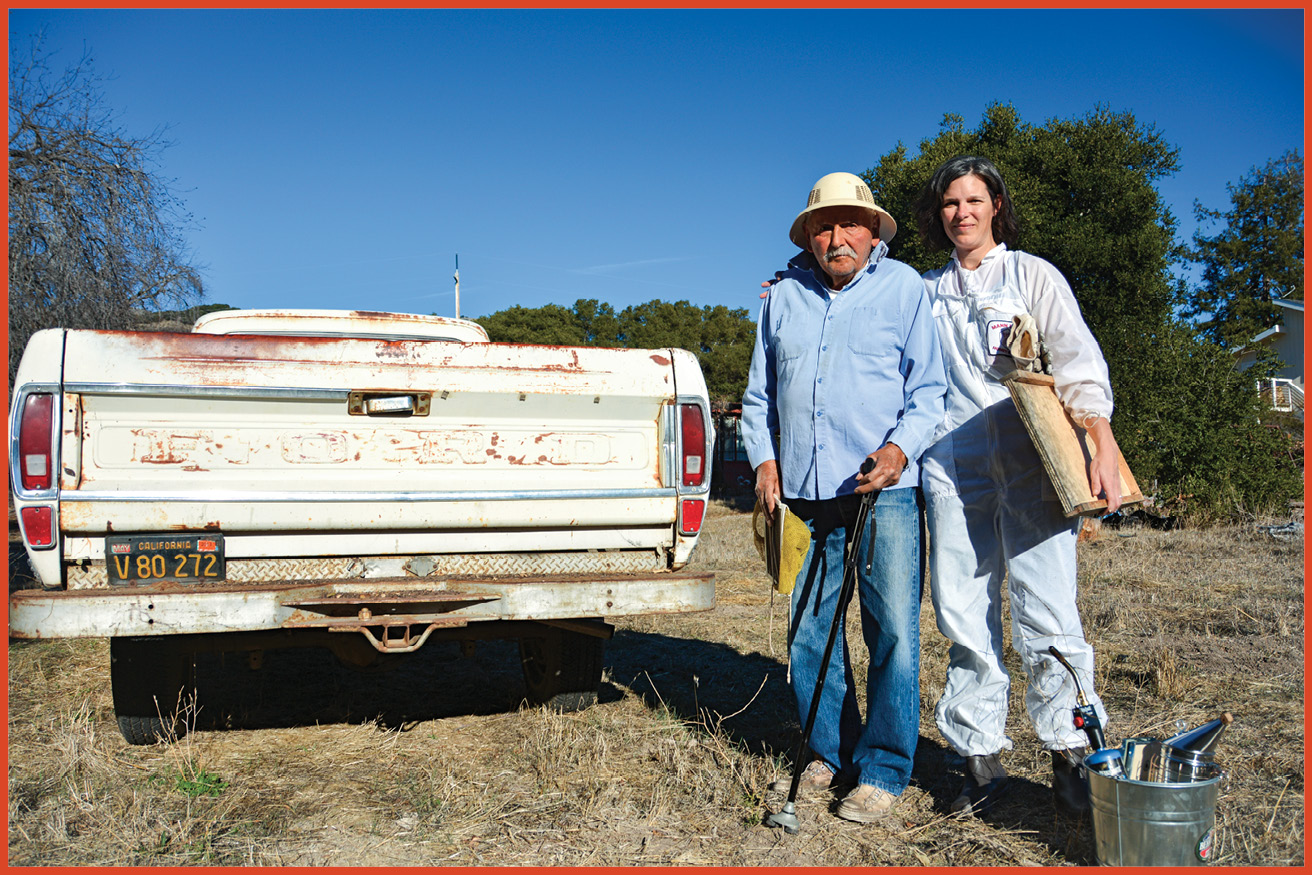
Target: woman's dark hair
1005, 227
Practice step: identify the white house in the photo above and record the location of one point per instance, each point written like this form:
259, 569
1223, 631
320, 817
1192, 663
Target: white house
1285, 338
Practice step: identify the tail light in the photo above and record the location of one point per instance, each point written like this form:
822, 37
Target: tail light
38, 526
34, 442
690, 516
693, 426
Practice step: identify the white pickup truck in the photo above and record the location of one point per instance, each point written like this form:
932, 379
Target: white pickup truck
360, 481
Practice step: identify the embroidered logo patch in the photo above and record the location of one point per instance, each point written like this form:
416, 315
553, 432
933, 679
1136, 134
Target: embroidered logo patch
998, 331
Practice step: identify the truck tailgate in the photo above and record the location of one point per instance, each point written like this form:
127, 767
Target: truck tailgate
274, 434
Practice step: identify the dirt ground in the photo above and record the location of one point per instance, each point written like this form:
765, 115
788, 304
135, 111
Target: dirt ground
298, 760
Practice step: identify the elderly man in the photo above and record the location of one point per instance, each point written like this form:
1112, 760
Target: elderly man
847, 365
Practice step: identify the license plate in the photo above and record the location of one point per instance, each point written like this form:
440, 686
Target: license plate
148, 558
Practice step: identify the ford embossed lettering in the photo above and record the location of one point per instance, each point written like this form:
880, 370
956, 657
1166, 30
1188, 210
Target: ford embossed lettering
148, 558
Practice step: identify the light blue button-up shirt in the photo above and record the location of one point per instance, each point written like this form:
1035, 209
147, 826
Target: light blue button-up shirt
836, 375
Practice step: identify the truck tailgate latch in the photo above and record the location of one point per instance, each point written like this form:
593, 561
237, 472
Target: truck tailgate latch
384, 403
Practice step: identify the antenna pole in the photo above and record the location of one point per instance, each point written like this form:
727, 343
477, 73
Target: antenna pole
457, 279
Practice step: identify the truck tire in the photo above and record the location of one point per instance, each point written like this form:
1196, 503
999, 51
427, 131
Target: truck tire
562, 669
152, 679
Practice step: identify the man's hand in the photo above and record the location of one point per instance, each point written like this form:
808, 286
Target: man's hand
778, 275
767, 484
1105, 466
890, 461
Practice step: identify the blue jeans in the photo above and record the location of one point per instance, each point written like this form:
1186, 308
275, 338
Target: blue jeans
881, 751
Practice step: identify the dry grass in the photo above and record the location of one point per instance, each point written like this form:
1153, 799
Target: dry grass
433, 764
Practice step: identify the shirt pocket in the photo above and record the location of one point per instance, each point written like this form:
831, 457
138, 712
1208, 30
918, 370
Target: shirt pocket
873, 331
788, 345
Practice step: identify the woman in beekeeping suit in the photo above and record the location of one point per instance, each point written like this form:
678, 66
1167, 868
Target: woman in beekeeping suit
991, 510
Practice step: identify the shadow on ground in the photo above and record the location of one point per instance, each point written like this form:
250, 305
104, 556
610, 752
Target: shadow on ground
309, 686
697, 681
700, 682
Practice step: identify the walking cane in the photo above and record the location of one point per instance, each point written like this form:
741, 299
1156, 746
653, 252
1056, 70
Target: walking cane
787, 818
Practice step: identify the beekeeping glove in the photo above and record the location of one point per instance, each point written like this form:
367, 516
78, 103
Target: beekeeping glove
783, 552
1026, 347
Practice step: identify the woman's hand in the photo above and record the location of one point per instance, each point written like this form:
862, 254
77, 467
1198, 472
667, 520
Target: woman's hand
778, 275
1105, 467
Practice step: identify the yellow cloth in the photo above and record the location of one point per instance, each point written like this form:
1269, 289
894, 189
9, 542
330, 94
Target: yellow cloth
783, 558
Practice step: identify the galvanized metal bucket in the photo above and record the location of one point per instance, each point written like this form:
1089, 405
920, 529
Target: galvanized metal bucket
1145, 823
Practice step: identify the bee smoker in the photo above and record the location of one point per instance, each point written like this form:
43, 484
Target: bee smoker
1191, 755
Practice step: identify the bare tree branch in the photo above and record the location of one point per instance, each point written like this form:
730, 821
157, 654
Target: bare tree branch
96, 236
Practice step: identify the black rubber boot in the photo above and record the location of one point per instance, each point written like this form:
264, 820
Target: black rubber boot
1070, 785
985, 779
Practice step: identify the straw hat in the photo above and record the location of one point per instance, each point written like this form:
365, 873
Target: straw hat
841, 190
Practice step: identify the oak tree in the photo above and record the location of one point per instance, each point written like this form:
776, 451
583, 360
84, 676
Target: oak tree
1085, 196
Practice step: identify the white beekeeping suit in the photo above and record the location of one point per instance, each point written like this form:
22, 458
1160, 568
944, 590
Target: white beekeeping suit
992, 511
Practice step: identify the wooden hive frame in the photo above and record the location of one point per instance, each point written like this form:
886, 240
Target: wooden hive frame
1065, 448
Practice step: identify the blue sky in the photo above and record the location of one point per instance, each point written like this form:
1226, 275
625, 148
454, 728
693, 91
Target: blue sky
342, 159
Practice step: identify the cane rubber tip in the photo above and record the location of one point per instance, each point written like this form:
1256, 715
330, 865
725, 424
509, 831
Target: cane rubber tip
785, 819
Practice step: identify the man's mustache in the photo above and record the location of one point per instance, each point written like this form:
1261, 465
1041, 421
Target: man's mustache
840, 252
